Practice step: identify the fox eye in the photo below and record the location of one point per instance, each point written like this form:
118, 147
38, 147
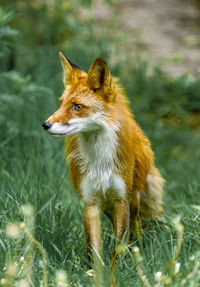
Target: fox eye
77, 107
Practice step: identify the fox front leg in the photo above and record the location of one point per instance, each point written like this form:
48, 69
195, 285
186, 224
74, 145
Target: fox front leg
121, 219
92, 228
121, 223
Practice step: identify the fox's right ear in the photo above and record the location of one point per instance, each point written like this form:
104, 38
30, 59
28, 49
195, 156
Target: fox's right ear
99, 74
69, 74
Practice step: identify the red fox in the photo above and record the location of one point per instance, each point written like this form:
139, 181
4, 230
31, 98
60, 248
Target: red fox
110, 158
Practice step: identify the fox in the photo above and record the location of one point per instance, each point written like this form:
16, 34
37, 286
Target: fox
110, 159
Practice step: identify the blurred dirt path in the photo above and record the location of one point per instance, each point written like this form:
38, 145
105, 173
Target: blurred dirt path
166, 32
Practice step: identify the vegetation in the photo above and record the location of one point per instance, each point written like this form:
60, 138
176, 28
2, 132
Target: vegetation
41, 216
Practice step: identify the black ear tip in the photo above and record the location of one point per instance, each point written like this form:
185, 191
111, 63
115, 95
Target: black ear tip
70, 62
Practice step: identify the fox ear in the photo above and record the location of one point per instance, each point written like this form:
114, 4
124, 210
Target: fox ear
99, 74
69, 75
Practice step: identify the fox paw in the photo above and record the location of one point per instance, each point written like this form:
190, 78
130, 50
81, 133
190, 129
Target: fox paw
90, 273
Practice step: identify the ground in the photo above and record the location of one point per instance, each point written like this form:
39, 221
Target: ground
165, 32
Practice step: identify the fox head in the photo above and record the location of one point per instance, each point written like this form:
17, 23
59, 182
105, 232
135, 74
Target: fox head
87, 101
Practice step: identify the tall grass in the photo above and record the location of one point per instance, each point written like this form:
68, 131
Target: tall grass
34, 171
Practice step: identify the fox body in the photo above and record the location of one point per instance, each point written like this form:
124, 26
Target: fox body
111, 161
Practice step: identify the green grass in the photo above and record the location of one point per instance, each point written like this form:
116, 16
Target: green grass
33, 168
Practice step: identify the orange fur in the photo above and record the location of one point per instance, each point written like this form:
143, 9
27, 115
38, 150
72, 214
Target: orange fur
133, 159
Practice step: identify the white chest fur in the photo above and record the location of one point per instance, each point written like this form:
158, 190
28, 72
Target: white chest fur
97, 152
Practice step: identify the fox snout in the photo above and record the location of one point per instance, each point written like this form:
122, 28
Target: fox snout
46, 125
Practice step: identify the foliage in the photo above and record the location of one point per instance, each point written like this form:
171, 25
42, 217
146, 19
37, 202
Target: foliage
33, 168
6, 33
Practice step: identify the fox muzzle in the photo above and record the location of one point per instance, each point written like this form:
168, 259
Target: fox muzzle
46, 125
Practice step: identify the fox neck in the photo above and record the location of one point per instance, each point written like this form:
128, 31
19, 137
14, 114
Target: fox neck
98, 152
97, 158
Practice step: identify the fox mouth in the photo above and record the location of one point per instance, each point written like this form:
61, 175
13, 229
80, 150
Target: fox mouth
56, 135
67, 129
73, 127
58, 129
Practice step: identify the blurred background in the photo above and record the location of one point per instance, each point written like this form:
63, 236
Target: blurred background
166, 33
153, 47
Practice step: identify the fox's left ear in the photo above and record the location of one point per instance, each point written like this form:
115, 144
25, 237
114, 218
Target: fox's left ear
69, 75
99, 74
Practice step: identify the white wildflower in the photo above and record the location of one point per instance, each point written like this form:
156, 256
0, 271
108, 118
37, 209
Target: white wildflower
177, 267
22, 225
192, 257
13, 230
136, 249
177, 223
158, 276
61, 279
27, 210
12, 269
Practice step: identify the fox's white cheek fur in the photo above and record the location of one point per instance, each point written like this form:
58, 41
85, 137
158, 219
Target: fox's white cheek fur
74, 126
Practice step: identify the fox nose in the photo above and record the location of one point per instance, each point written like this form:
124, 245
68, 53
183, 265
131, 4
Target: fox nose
46, 125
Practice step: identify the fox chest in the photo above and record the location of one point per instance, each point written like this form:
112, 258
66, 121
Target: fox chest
96, 160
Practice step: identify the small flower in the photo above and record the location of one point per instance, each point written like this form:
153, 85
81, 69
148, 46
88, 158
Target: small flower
121, 248
22, 225
41, 263
13, 230
90, 273
177, 267
12, 269
61, 279
138, 257
177, 223
27, 210
136, 249
158, 276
